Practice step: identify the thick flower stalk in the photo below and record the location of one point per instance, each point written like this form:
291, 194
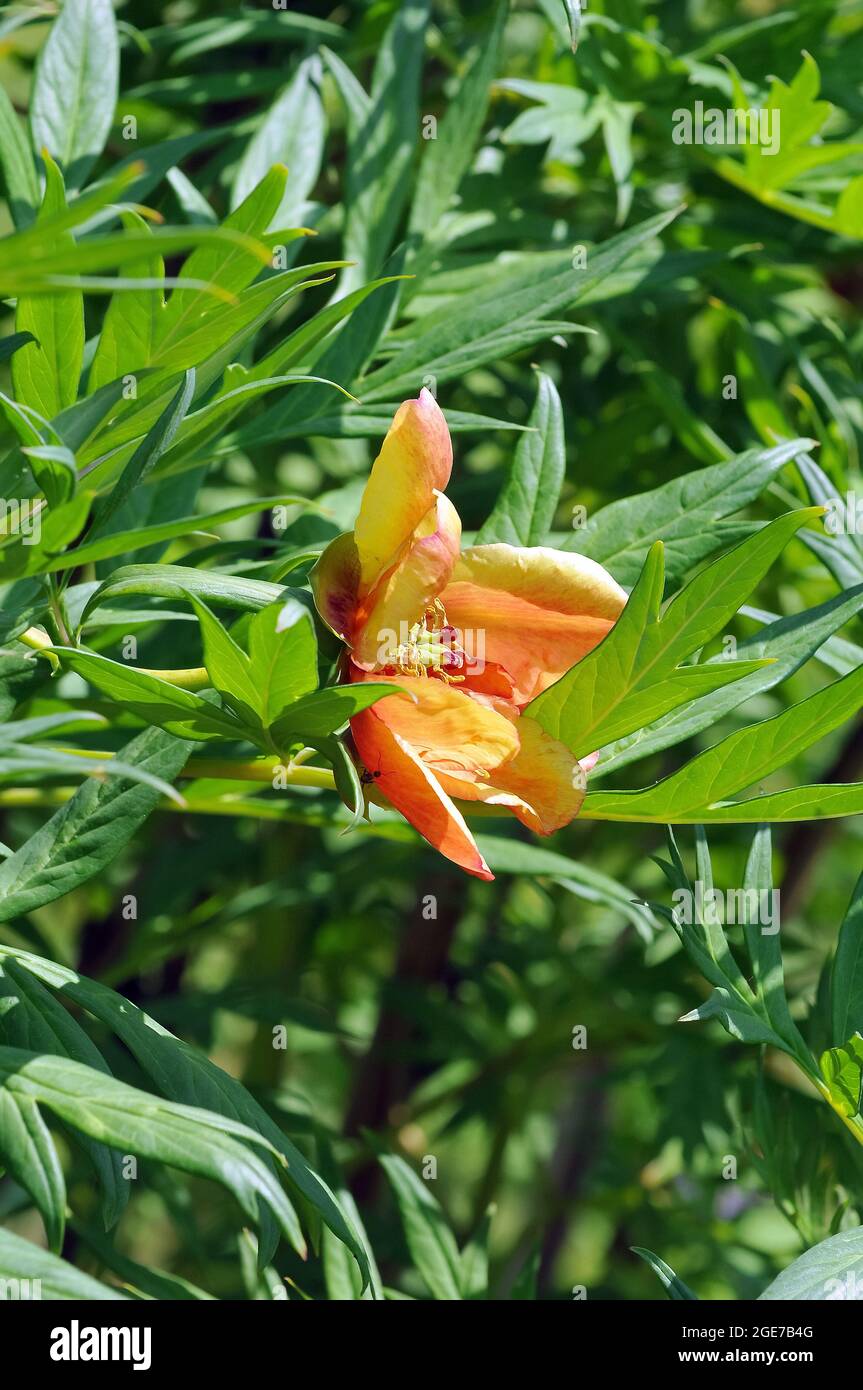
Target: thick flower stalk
472, 635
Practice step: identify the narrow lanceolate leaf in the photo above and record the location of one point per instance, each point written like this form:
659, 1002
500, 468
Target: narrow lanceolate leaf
176, 581
32, 1019
431, 1242
27, 1151
699, 791
839, 547
447, 158
633, 677
129, 327
75, 89
123, 542
183, 1074
16, 160
180, 712
846, 980
489, 322
232, 269
25, 1266
382, 150
187, 1137
761, 925
674, 1287
584, 880
88, 832
291, 133
45, 373
687, 515
146, 456
525, 509
831, 1270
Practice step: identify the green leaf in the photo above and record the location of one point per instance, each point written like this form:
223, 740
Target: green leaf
31, 1018
128, 333
180, 712
146, 456
291, 133
698, 790
12, 342
123, 542
16, 160
784, 644
176, 581
525, 509
232, 269
85, 834
341, 1274
53, 467
314, 716
187, 1137
431, 1242
842, 1069
143, 1280
487, 323
474, 1260
674, 1287
283, 657
633, 677
45, 373
447, 158
846, 979
228, 665
21, 1262
382, 149
761, 931
28, 1152
685, 514
831, 1270
186, 1075
75, 87
506, 856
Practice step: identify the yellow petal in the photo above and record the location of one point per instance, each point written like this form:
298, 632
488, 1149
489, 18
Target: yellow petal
415, 461
534, 611
410, 587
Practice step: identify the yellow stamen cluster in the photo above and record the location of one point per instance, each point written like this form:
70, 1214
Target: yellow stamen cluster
424, 653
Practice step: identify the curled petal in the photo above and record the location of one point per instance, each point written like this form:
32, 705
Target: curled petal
535, 611
549, 782
446, 728
335, 585
410, 785
410, 587
415, 461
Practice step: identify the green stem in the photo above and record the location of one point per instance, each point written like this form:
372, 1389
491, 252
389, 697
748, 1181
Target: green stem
295, 773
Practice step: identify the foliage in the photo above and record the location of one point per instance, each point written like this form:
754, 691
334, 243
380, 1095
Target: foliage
236, 988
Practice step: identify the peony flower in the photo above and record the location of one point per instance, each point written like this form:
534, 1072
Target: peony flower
473, 635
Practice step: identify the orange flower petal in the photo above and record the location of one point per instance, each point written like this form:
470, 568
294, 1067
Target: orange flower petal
446, 728
410, 785
415, 461
548, 781
403, 596
535, 611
